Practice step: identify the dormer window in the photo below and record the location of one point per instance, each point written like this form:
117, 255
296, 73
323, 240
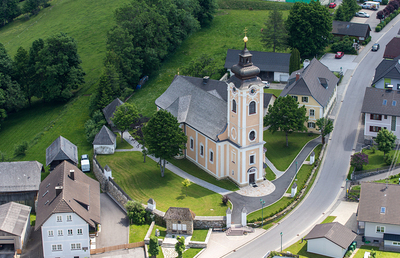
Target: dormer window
383, 210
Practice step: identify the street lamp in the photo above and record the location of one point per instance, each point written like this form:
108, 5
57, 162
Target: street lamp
281, 242
296, 170
262, 212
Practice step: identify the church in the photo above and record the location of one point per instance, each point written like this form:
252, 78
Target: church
223, 121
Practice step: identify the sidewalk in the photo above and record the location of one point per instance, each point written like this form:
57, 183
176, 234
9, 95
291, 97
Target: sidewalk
277, 172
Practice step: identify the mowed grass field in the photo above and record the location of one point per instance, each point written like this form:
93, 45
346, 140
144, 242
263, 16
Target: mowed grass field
142, 181
225, 32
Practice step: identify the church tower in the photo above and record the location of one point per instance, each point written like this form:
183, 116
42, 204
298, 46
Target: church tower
245, 120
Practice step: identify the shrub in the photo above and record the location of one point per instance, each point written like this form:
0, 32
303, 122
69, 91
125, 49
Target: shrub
384, 2
20, 149
225, 199
378, 28
366, 41
136, 213
246, 5
358, 160
388, 159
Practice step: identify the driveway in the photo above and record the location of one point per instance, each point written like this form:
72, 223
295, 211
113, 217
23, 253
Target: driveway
33, 248
114, 224
346, 62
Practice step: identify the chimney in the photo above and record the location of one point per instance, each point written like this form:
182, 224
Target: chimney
297, 76
58, 190
72, 174
306, 63
205, 79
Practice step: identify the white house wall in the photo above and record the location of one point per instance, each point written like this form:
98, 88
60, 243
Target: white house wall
332, 100
277, 76
325, 247
104, 149
371, 234
381, 83
66, 240
384, 123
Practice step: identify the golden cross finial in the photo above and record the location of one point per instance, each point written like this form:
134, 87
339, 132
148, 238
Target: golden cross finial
245, 31
245, 39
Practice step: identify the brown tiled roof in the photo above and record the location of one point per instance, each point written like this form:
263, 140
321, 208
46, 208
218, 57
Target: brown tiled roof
373, 197
81, 196
176, 213
392, 49
334, 232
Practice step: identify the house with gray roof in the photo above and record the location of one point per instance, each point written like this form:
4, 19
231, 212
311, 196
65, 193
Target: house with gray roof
68, 208
61, 149
109, 110
223, 120
105, 141
378, 214
330, 239
392, 49
179, 220
387, 74
315, 87
269, 99
273, 66
381, 109
14, 227
351, 29
19, 182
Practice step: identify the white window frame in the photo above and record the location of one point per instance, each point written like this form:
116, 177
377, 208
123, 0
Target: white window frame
380, 229
53, 248
211, 156
311, 125
70, 232
312, 112
79, 233
254, 159
395, 243
255, 135
304, 99
233, 172
73, 247
191, 143
50, 233
296, 98
60, 232
255, 108
78, 246
69, 217
202, 150
59, 218
59, 247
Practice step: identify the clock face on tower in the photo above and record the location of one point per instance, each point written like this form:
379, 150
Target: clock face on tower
234, 90
252, 91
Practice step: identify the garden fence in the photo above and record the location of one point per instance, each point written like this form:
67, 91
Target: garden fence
116, 247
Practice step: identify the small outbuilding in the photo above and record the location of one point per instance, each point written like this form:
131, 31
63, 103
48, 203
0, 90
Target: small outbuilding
330, 239
109, 110
105, 141
14, 227
179, 220
61, 149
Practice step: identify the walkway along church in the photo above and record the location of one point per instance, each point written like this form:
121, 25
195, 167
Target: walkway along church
222, 120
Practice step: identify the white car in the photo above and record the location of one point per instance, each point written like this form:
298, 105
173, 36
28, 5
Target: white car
362, 14
85, 163
266, 84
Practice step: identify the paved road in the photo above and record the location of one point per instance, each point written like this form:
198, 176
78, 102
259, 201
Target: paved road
334, 169
114, 224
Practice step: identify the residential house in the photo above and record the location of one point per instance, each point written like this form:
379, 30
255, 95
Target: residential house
105, 141
109, 110
61, 149
315, 87
179, 220
68, 209
392, 49
359, 30
273, 66
330, 239
381, 109
14, 227
19, 182
387, 74
378, 214
269, 99
223, 121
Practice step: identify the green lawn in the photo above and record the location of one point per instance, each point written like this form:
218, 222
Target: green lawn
277, 152
301, 249
273, 91
375, 160
380, 254
137, 232
124, 144
226, 31
328, 219
194, 170
163, 231
191, 252
32, 218
269, 175
143, 181
199, 235
270, 210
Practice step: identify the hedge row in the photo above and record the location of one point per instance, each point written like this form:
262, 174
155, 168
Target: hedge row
382, 25
253, 5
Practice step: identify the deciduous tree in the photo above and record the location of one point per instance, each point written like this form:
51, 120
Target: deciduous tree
325, 126
386, 141
94, 125
274, 33
205, 65
164, 138
21, 62
186, 183
286, 116
180, 245
138, 135
153, 246
206, 13
358, 160
136, 212
124, 116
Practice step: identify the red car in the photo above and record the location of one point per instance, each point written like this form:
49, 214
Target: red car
339, 55
332, 5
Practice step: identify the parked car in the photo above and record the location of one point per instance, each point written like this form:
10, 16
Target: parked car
85, 163
375, 47
332, 5
362, 14
339, 55
266, 84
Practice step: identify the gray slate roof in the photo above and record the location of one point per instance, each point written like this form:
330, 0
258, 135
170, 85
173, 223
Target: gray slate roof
83, 190
176, 213
266, 61
20, 176
109, 110
334, 232
267, 99
202, 107
387, 69
373, 196
350, 28
105, 137
374, 102
13, 218
311, 83
61, 149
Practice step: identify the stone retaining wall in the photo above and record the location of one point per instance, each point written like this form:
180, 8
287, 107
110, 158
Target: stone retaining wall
198, 244
201, 222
